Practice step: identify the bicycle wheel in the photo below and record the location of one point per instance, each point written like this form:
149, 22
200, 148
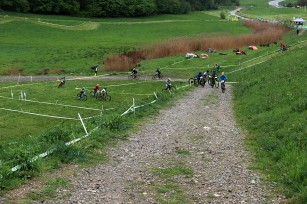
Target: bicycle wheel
92, 93
78, 96
195, 83
107, 98
99, 97
84, 98
202, 82
173, 88
161, 76
154, 77
191, 81
137, 77
130, 77
217, 84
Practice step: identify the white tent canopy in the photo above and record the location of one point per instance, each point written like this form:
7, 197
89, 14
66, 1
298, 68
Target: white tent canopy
298, 20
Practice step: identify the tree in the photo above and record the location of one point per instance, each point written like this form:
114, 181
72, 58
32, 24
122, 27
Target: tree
15, 5
139, 8
106, 8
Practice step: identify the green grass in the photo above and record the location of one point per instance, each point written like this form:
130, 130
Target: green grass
261, 8
30, 47
25, 136
270, 102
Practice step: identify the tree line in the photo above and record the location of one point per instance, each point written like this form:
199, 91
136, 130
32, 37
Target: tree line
112, 8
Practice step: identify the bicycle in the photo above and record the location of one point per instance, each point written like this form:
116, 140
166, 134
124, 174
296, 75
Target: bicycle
103, 96
214, 82
202, 81
193, 81
133, 76
169, 88
156, 76
93, 93
82, 97
223, 87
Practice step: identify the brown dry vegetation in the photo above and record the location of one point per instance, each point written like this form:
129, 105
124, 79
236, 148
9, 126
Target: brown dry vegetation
263, 33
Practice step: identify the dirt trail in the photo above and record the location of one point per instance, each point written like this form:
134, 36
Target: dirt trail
202, 126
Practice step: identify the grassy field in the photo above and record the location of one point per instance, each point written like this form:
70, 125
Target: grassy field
54, 45
270, 94
261, 8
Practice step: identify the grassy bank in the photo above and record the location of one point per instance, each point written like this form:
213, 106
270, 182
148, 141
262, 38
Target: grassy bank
26, 136
271, 103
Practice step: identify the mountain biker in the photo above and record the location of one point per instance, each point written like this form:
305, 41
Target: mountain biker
82, 92
168, 84
213, 75
283, 46
63, 80
104, 91
222, 77
96, 88
158, 72
134, 71
198, 76
217, 67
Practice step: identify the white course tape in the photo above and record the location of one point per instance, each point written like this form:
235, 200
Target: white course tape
49, 116
56, 104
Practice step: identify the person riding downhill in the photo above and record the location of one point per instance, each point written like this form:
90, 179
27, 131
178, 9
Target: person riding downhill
63, 80
134, 71
168, 84
82, 92
158, 72
223, 79
96, 88
198, 76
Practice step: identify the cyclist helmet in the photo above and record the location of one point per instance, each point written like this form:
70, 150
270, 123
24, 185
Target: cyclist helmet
169, 79
222, 73
97, 84
83, 88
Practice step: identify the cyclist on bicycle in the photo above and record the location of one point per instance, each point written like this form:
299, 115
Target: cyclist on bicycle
134, 71
104, 91
207, 73
63, 80
223, 77
217, 67
158, 73
82, 92
198, 76
168, 84
283, 46
213, 75
96, 88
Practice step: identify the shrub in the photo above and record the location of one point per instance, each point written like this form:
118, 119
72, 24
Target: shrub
222, 15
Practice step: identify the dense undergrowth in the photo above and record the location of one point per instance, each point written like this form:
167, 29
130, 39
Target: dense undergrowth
271, 104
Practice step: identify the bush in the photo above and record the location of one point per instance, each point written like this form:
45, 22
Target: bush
222, 15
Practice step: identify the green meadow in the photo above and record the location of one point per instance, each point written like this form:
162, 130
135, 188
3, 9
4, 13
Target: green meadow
29, 46
261, 8
270, 97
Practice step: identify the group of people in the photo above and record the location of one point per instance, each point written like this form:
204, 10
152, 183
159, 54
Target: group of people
213, 74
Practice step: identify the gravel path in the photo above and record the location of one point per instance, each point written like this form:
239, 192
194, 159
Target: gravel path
197, 133
200, 124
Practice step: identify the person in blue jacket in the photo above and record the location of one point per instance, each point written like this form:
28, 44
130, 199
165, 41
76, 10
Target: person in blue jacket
198, 76
223, 77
